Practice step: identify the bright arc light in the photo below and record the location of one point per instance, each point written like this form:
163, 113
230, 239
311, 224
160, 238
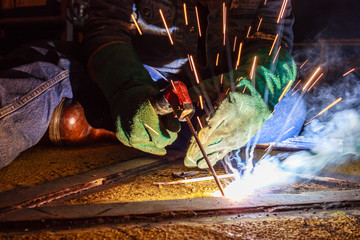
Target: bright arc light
266, 173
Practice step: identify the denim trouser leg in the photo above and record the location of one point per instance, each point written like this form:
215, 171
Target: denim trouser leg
29, 94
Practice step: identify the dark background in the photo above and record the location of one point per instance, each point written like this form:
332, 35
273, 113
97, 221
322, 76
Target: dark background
315, 20
330, 19
335, 19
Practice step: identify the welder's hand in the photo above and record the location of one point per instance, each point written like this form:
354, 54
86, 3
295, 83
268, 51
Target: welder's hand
129, 88
240, 113
236, 120
269, 81
146, 131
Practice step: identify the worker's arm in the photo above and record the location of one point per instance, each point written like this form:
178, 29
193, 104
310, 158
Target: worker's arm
114, 65
249, 102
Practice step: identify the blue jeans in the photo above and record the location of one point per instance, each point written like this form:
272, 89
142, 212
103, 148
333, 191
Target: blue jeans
34, 79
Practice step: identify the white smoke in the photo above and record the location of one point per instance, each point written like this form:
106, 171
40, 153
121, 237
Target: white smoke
347, 87
336, 141
334, 134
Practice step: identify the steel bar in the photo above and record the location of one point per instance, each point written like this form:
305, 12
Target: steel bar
60, 188
199, 179
124, 212
205, 155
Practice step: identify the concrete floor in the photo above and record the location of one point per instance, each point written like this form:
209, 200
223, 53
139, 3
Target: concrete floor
46, 162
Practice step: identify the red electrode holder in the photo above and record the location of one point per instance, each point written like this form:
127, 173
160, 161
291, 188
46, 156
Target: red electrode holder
175, 98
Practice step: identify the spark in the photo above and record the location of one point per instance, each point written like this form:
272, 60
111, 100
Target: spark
267, 146
194, 68
217, 59
191, 160
296, 85
248, 33
201, 102
198, 179
238, 58
325, 109
258, 27
198, 21
185, 14
285, 90
288, 130
166, 27
238, 81
277, 53
151, 128
224, 22
332, 104
311, 78
282, 11
273, 45
221, 79
295, 92
227, 91
350, 71
173, 85
234, 47
199, 121
136, 24
191, 68
304, 64
244, 89
315, 82
252, 72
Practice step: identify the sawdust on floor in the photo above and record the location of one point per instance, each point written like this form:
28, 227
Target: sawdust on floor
351, 167
338, 226
142, 187
45, 163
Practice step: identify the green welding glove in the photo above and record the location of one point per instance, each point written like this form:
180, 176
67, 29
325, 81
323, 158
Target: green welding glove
129, 88
242, 112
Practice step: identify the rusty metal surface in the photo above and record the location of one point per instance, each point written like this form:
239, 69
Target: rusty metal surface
160, 210
63, 187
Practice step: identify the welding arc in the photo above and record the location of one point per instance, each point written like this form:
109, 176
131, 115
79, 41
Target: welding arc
205, 155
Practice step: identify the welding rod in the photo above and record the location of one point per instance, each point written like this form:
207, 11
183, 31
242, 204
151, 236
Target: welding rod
205, 155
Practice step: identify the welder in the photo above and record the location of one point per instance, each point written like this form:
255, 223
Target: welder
241, 64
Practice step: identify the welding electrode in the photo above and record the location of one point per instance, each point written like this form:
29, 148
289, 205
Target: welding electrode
176, 99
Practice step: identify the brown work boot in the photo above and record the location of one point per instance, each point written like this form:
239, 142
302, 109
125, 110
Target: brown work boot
68, 126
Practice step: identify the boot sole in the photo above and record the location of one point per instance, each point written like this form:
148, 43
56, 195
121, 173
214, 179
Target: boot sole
54, 127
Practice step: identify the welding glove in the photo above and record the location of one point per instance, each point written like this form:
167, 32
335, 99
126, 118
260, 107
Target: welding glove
129, 88
239, 114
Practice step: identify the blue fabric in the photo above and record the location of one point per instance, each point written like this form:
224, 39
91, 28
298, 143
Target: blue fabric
282, 125
30, 90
